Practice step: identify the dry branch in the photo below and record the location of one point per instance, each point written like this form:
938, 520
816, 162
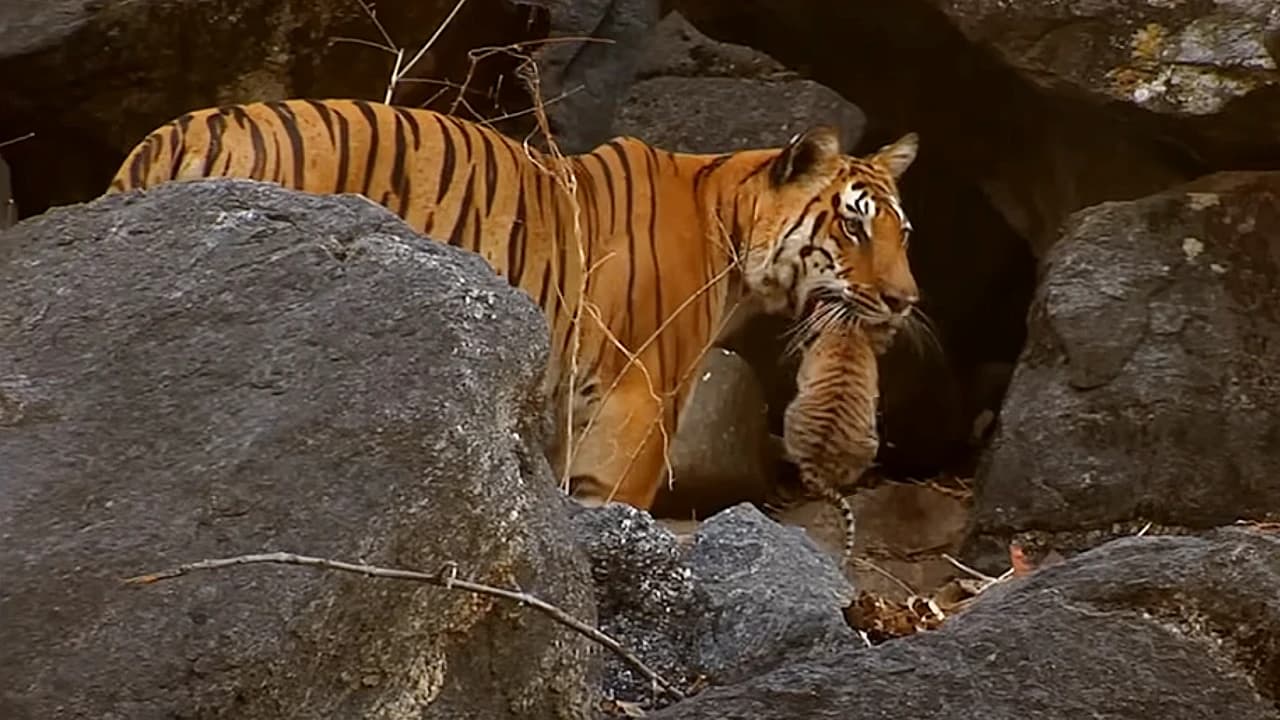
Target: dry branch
445, 578
18, 139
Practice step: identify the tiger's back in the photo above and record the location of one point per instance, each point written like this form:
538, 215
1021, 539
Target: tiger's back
633, 253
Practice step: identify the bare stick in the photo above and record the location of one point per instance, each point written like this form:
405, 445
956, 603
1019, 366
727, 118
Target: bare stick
18, 139
446, 578
430, 41
911, 592
977, 575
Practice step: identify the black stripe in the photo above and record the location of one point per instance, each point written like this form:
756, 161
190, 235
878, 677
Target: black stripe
558, 229
651, 180
628, 194
179, 138
446, 164
540, 184
216, 124
516, 240
278, 173
490, 174
608, 186
400, 181
259, 149
542, 294
343, 147
477, 232
175, 145
326, 117
412, 122
289, 122
800, 220
237, 113
141, 160
455, 235
705, 171
755, 171
589, 221
818, 223
374, 141
466, 135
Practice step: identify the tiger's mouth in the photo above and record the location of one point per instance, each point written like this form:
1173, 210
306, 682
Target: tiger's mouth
828, 307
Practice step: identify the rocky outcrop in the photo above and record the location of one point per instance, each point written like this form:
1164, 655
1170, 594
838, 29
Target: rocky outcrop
694, 94
1150, 387
738, 598
1142, 627
1209, 69
723, 453
223, 367
91, 78
586, 70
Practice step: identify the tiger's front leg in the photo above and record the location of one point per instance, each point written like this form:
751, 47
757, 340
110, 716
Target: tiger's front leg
622, 457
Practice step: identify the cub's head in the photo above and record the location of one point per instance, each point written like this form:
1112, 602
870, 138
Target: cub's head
828, 226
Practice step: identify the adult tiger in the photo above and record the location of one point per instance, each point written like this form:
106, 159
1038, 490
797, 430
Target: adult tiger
671, 241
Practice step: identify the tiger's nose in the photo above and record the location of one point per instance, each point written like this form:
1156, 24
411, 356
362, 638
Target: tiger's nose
898, 303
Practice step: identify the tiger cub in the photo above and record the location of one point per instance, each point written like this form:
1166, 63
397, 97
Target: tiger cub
829, 428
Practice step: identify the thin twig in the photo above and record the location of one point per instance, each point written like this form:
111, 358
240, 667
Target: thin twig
976, 574
18, 139
903, 584
446, 578
368, 10
430, 41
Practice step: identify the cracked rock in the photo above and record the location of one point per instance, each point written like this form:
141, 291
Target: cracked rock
1150, 385
224, 367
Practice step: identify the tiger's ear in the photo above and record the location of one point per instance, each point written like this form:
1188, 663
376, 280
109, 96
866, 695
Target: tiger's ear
806, 152
898, 156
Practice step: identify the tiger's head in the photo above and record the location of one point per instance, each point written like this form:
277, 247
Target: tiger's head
829, 226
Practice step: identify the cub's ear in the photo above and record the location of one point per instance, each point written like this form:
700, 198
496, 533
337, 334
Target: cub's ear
806, 152
898, 156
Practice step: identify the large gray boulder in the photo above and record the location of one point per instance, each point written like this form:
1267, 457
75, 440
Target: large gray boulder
1150, 386
741, 596
225, 367
1185, 60
694, 94
1181, 628
588, 68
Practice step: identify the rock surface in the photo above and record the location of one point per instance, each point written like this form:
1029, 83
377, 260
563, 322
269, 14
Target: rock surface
1178, 58
224, 367
741, 596
722, 454
697, 95
1140, 627
1150, 386
589, 69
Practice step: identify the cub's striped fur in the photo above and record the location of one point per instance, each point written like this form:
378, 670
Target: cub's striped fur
829, 428
672, 241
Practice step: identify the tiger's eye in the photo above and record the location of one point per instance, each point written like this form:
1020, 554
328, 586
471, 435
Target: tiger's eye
851, 228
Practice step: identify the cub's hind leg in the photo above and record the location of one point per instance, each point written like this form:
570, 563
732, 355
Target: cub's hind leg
622, 457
